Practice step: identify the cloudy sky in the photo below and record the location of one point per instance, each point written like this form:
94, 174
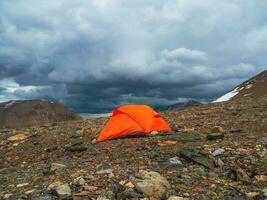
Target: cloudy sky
98, 54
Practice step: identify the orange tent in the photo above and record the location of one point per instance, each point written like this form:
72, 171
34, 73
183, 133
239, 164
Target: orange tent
132, 120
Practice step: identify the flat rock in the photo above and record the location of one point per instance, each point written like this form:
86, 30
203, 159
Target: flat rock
46, 197
89, 188
236, 198
198, 157
54, 185
215, 136
22, 185
264, 191
236, 130
17, 137
78, 148
57, 166
252, 194
171, 164
177, 198
30, 191
7, 196
104, 171
261, 178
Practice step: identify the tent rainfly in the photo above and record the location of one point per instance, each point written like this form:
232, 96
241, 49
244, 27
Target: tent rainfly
132, 121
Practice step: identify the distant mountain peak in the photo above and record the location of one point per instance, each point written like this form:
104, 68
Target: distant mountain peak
178, 105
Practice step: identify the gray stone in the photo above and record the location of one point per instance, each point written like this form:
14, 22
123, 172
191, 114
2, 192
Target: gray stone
63, 191
151, 184
171, 164
218, 152
105, 171
175, 161
46, 197
79, 132
57, 166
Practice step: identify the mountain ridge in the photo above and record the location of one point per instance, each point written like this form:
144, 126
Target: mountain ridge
24, 113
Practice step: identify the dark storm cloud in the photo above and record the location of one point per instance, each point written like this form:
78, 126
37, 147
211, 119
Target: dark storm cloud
95, 55
2, 89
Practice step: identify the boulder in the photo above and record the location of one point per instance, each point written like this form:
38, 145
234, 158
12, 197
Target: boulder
63, 191
151, 184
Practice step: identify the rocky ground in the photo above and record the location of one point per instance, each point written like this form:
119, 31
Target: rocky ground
216, 151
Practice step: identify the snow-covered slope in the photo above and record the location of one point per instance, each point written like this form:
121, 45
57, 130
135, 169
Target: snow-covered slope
254, 87
227, 96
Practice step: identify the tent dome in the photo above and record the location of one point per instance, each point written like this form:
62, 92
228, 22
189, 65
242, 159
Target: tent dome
132, 120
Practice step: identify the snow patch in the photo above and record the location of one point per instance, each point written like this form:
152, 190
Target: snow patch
9, 104
228, 96
94, 116
249, 86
